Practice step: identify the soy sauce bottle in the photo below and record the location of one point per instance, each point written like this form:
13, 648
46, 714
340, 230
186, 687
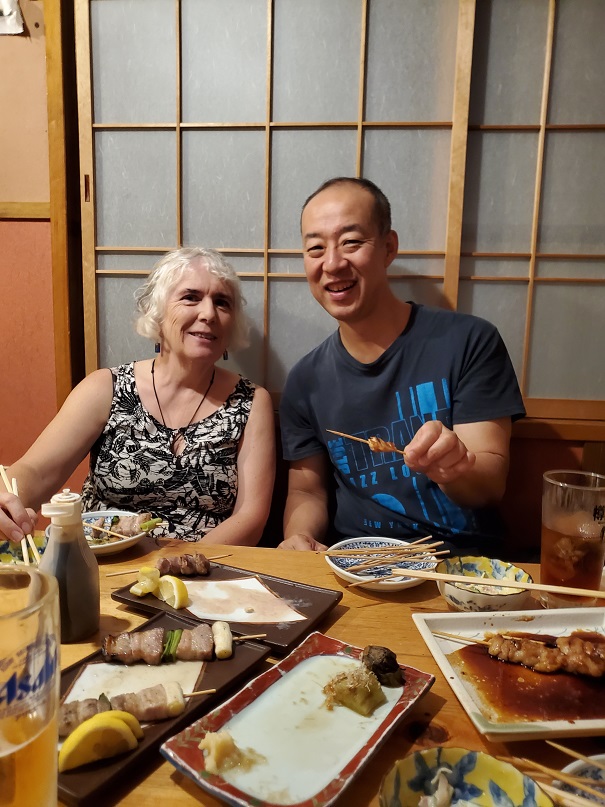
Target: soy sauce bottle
71, 560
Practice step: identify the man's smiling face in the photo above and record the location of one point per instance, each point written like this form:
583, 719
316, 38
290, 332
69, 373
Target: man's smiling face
345, 256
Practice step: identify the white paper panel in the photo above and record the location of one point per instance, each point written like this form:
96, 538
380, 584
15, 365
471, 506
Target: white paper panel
411, 56
494, 267
297, 324
576, 90
118, 341
136, 188
508, 61
426, 292
573, 195
224, 61
504, 306
302, 160
127, 262
128, 85
425, 265
316, 60
223, 188
411, 166
572, 269
567, 362
249, 362
499, 195
287, 264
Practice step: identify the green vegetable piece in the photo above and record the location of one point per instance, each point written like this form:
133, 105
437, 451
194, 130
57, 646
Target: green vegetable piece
147, 526
171, 642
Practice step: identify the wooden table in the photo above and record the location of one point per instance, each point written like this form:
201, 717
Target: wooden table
361, 618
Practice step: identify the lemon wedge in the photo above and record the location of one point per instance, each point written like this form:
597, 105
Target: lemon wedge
172, 591
130, 720
101, 736
147, 581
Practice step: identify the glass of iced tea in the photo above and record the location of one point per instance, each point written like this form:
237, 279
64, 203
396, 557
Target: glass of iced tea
29, 686
573, 534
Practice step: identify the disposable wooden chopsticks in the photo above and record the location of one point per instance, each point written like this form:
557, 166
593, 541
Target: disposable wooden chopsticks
367, 442
570, 752
491, 581
28, 539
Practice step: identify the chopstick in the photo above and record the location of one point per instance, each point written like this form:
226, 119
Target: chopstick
27, 539
594, 762
491, 581
367, 442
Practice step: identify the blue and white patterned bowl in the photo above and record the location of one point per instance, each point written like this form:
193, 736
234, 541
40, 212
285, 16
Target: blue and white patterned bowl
374, 579
11, 553
471, 777
476, 597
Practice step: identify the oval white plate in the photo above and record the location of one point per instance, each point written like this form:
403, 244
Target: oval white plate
114, 546
340, 565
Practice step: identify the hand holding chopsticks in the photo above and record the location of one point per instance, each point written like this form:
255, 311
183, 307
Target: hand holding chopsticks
28, 539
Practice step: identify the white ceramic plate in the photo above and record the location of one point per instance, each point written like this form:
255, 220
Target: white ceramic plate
556, 622
580, 768
309, 753
113, 545
374, 582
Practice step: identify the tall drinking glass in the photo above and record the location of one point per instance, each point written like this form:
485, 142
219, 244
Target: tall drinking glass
573, 534
29, 687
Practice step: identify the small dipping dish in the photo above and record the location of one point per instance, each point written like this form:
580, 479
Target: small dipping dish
476, 597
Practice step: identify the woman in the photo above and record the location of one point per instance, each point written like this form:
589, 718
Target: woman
177, 435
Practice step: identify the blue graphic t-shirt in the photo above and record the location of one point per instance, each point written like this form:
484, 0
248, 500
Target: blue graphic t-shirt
445, 366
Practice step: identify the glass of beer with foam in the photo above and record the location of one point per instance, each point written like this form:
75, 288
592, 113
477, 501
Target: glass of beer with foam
572, 549
29, 686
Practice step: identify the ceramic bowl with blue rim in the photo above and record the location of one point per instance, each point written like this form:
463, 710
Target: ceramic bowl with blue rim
586, 770
375, 579
474, 596
455, 776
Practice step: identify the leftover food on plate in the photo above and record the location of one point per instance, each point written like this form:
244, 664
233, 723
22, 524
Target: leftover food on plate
222, 754
330, 740
383, 663
357, 689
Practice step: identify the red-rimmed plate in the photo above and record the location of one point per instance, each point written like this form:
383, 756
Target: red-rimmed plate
282, 717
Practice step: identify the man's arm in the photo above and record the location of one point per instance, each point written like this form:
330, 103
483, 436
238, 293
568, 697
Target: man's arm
306, 514
470, 463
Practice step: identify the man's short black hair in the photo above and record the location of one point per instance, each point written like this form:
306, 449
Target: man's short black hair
382, 206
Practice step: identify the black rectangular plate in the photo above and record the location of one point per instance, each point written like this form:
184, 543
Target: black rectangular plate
101, 783
313, 602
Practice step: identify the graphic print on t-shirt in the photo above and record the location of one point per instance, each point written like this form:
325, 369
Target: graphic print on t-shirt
385, 479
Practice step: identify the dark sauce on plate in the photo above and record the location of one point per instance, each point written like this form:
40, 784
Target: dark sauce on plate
512, 692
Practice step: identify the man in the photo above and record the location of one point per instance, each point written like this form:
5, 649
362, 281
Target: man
437, 383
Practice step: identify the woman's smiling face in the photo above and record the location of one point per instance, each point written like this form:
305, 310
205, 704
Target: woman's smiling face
198, 318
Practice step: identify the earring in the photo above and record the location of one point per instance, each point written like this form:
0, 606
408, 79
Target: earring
157, 347
225, 355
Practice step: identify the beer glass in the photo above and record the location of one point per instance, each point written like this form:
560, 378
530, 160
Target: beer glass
573, 534
29, 687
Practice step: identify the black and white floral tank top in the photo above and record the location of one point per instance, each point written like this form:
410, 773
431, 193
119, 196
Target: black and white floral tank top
132, 466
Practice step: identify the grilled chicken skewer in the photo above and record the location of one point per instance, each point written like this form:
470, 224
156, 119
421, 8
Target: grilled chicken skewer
572, 654
150, 646
184, 565
160, 702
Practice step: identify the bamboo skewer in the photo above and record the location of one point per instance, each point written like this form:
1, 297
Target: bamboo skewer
393, 560
574, 781
367, 442
564, 798
491, 581
570, 752
104, 529
249, 636
199, 692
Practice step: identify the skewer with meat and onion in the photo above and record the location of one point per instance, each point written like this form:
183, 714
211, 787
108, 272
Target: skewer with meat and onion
184, 565
159, 645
